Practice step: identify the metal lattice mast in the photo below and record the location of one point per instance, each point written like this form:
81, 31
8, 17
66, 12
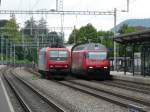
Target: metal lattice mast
60, 8
59, 5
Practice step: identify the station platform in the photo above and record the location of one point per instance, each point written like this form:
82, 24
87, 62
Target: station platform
129, 77
5, 104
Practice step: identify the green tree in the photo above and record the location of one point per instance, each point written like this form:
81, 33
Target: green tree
103, 36
2, 26
11, 30
42, 26
106, 38
88, 32
12, 33
30, 28
124, 30
42, 32
85, 34
73, 36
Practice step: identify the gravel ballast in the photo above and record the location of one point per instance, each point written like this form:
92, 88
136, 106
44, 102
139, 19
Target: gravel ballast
113, 89
68, 98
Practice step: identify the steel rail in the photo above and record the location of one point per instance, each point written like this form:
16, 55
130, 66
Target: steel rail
127, 81
115, 94
125, 86
18, 96
36, 91
40, 94
123, 104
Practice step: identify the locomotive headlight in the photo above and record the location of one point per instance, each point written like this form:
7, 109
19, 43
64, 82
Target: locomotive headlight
66, 66
51, 66
90, 67
105, 67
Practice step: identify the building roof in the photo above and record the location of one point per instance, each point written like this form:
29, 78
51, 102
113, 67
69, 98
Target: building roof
134, 38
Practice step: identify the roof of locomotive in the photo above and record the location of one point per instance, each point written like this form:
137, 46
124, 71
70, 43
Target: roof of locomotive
69, 46
49, 48
90, 46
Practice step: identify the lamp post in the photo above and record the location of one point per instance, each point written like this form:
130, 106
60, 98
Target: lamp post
2, 49
10, 55
14, 54
115, 19
6, 49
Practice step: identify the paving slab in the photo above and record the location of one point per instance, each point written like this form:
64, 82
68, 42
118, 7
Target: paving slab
130, 77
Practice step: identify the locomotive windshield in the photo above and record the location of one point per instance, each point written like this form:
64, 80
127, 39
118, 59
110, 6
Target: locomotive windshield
97, 55
58, 55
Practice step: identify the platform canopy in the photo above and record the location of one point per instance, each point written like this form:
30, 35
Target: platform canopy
140, 37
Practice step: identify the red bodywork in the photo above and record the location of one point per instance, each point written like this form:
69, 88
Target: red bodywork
96, 64
55, 65
82, 65
54, 62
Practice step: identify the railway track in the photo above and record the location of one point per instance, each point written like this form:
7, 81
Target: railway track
31, 99
126, 85
133, 84
129, 85
114, 98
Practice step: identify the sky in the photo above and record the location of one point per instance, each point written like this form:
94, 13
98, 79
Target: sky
138, 9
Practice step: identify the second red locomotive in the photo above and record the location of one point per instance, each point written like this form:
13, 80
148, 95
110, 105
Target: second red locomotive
91, 61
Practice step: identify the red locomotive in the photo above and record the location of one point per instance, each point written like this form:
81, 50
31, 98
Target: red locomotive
54, 62
91, 61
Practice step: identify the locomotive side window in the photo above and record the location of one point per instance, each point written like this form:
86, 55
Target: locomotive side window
97, 55
42, 58
58, 55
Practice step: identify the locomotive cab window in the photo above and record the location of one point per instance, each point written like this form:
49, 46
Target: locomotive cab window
58, 55
97, 55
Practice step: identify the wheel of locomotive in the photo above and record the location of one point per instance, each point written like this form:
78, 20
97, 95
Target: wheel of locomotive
61, 76
47, 75
42, 75
88, 77
79, 76
101, 76
107, 75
